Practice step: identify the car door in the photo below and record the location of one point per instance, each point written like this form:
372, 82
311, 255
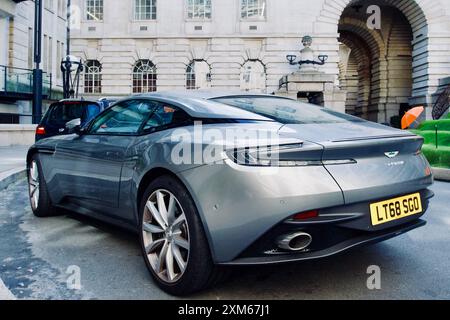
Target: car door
90, 164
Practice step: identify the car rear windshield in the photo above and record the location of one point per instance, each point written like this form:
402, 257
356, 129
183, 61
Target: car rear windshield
287, 111
65, 112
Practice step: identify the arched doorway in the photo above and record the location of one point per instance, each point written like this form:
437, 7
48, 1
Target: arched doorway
376, 67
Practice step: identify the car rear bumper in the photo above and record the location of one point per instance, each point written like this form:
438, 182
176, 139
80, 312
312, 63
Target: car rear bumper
335, 230
244, 210
363, 239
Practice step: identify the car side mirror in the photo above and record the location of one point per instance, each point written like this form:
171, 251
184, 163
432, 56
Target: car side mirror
74, 126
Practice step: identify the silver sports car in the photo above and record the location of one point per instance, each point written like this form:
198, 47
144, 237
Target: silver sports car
210, 180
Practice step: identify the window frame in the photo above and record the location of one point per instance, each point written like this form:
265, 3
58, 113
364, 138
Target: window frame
88, 130
92, 20
150, 63
199, 19
191, 77
161, 103
141, 131
134, 18
251, 18
92, 75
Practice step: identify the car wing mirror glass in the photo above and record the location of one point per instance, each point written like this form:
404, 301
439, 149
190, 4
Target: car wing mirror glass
74, 126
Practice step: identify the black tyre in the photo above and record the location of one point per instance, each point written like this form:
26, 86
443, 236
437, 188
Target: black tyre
173, 241
38, 193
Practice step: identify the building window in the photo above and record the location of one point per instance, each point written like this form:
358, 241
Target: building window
93, 77
253, 76
190, 76
253, 9
94, 10
198, 75
144, 77
145, 9
199, 9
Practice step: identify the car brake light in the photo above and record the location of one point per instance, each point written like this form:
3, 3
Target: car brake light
40, 131
306, 215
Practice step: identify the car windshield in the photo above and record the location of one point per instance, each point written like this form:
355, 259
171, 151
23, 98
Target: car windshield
287, 111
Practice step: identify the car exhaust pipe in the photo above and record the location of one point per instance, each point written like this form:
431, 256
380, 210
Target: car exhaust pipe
295, 242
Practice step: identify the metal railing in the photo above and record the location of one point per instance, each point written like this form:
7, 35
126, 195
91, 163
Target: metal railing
15, 118
19, 81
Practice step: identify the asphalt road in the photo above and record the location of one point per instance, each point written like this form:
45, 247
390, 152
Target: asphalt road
35, 255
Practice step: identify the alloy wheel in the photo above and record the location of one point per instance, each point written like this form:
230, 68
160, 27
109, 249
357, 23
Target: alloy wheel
33, 185
166, 236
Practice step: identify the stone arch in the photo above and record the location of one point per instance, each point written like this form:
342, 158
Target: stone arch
423, 15
428, 20
356, 75
253, 76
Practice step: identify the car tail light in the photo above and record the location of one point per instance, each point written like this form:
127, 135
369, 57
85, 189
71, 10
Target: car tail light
306, 215
40, 131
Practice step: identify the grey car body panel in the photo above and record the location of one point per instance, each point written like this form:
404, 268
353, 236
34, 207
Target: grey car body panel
100, 175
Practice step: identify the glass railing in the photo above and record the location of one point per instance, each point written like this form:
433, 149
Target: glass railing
20, 81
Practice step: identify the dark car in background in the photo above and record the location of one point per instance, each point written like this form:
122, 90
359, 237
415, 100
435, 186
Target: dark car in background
60, 113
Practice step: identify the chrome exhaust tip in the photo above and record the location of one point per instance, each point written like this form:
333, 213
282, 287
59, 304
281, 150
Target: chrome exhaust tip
295, 242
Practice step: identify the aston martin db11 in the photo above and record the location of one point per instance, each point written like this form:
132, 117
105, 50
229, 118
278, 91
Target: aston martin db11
210, 180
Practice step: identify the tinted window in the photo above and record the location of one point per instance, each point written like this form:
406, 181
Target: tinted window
287, 111
63, 113
166, 116
123, 118
92, 110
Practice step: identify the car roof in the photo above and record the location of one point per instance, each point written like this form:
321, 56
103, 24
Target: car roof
207, 94
198, 103
76, 100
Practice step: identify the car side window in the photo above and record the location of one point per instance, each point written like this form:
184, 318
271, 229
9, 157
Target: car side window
124, 118
92, 110
166, 116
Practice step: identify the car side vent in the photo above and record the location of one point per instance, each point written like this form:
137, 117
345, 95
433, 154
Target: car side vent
143, 28
198, 28
253, 27
92, 28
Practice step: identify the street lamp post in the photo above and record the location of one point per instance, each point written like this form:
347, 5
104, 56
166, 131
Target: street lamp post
307, 57
37, 72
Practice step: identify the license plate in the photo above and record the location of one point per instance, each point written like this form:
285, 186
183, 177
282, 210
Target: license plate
394, 209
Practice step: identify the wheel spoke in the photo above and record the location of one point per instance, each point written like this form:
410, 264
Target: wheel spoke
156, 214
162, 206
162, 258
181, 242
152, 228
169, 263
179, 221
178, 258
154, 245
171, 210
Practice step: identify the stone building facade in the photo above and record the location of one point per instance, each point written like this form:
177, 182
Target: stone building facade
16, 54
384, 56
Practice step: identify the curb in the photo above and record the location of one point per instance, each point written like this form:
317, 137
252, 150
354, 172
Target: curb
5, 294
441, 174
6, 178
11, 176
